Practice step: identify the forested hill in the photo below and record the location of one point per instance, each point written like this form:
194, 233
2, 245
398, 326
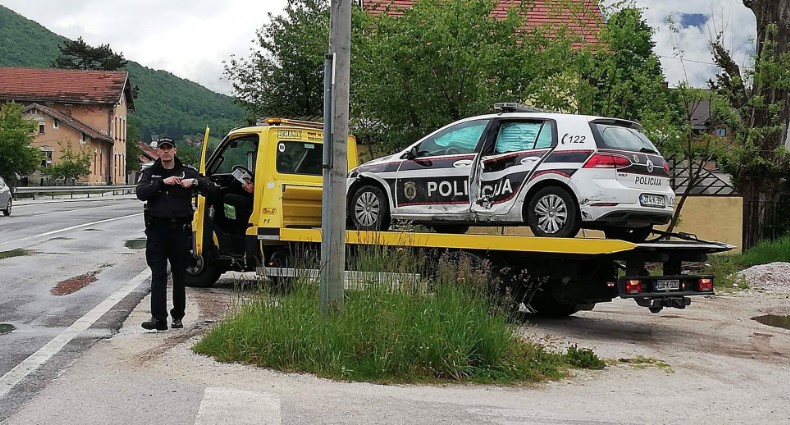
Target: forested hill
166, 104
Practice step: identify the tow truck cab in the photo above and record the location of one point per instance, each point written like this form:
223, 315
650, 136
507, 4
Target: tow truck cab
284, 159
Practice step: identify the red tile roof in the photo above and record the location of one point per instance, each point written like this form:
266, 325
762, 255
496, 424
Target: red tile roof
65, 86
69, 121
584, 20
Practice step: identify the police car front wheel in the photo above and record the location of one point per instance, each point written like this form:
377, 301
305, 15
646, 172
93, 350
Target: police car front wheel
370, 209
552, 212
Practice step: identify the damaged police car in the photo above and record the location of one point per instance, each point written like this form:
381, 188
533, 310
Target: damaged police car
554, 172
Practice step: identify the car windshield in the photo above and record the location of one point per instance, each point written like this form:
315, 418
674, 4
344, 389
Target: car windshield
624, 138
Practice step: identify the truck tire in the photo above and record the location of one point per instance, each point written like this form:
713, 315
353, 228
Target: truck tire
552, 212
201, 273
369, 208
549, 307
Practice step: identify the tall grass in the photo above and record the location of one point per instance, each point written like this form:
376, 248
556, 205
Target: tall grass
391, 331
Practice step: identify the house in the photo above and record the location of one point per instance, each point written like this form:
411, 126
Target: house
85, 109
583, 18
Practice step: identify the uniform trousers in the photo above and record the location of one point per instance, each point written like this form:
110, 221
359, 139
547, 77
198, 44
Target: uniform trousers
167, 241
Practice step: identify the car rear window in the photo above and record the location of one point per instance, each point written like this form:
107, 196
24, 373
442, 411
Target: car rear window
622, 137
299, 158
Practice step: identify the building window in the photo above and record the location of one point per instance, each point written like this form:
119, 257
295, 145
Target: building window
721, 131
41, 128
46, 156
82, 138
55, 124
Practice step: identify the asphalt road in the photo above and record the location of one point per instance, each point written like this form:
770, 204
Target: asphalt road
77, 253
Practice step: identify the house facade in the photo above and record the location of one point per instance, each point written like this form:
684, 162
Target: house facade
86, 110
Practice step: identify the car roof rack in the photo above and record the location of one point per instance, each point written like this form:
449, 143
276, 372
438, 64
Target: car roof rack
516, 107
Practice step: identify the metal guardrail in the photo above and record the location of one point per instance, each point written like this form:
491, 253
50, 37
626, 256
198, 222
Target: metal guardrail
33, 191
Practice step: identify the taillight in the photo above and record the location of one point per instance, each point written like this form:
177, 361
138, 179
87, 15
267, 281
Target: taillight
633, 286
666, 167
705, 284
607, 160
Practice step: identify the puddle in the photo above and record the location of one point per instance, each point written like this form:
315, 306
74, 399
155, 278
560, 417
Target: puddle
6, 328
774, 320
135, 244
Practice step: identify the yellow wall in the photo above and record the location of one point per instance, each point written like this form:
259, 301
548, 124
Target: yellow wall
712, 218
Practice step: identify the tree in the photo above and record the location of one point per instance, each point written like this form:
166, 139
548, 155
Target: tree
17, 155
79, 55
71, 165
284, 74
133, 150
443, 60
758, 161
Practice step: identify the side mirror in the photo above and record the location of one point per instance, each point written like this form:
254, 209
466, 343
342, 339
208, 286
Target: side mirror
412, 153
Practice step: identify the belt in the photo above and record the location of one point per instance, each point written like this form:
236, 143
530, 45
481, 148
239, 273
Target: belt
171, 220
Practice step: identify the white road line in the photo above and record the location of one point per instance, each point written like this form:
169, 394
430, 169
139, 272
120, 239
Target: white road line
238, 407
35, 360
72, 228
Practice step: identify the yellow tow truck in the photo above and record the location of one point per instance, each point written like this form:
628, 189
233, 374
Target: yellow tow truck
283, 159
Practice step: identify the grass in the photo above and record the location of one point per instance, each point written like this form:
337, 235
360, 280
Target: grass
725, 267
414, 331
14, 253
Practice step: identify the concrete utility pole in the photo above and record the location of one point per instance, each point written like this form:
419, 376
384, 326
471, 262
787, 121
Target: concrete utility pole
333, 223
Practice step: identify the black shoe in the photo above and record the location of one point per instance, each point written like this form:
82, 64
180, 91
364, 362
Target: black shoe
154, 323
177, 324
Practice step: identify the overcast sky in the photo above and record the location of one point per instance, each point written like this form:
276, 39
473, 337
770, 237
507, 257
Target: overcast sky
191, 38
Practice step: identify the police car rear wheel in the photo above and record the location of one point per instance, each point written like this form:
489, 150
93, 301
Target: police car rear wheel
370, 209
552, 212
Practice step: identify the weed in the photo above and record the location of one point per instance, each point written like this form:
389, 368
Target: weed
14, 253
583, 358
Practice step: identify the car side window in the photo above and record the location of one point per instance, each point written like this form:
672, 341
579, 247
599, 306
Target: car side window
458, 139
517, 136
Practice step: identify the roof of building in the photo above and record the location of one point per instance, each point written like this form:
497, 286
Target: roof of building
69, 121
584, 19
65, 86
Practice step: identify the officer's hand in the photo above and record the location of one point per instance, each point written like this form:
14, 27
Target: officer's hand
172, 180
187, 183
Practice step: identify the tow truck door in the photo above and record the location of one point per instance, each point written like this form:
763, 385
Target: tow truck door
198, 219
510, 156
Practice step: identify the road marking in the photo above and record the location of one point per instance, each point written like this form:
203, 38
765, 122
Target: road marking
72, 228
238, 407
35, 360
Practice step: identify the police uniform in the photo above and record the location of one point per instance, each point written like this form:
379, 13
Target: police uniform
168, 217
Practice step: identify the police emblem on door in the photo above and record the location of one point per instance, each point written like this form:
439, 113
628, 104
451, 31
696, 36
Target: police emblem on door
410, 190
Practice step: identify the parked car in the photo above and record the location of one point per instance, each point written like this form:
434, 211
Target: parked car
554, 172
5, 198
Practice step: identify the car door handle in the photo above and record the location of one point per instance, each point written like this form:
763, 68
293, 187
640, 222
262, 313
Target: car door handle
462, 163
529, 159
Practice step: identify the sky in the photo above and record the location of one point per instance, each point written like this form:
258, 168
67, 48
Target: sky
192, 38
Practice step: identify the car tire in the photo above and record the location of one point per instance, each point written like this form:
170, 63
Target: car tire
369, 209
455, 229
201, 273
552, 212
634, 235
7, 210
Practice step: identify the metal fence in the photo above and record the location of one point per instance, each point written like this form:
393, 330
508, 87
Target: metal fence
52, 191
775, 218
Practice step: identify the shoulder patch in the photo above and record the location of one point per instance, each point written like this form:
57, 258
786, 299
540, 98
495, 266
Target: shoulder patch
190, 167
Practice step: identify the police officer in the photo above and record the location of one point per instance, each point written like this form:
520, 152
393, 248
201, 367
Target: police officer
167, 188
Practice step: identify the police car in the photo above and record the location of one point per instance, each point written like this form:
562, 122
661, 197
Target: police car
554, 172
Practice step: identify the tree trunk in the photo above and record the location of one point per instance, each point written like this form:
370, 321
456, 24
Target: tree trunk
760, 191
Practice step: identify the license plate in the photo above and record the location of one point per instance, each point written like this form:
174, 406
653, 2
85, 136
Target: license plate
652, 200
667, 285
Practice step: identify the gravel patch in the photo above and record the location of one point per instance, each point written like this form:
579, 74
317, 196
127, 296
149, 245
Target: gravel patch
771, 277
